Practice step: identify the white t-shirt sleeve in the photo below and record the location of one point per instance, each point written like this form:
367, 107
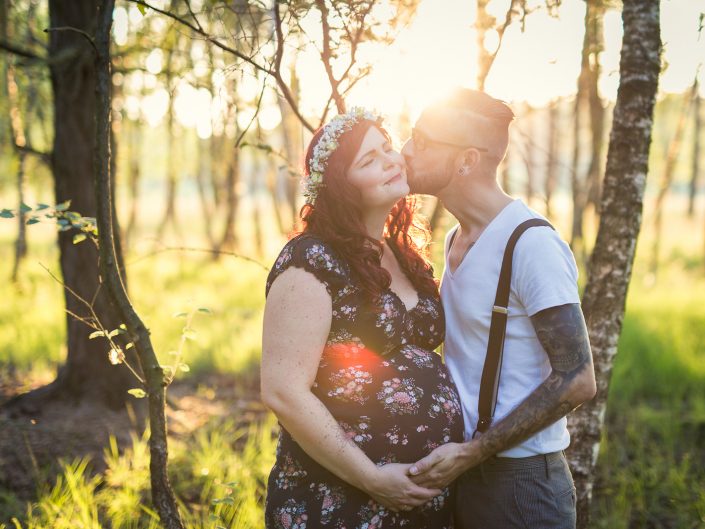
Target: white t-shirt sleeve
544, 272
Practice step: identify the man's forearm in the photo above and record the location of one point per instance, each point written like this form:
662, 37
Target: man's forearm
548, 403
563, 335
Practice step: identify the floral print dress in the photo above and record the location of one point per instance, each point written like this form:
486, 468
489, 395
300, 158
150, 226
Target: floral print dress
391, 394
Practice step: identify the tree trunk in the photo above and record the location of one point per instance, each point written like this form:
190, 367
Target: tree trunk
134, 139
695, 170
594, 15
228, 241
674, 149
169, 216
507, 171
529, 155
87, 373
551, 155
20, 132
162, 495
622, 202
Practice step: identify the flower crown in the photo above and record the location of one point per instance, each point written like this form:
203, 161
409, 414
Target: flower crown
327, 144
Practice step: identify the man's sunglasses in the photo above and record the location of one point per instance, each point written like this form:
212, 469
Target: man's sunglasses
421, 140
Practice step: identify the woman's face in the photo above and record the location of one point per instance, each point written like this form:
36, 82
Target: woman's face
378, 171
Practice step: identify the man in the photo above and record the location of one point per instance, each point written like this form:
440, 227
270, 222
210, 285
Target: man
515, 473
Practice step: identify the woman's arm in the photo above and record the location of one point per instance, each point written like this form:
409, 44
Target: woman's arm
297, 320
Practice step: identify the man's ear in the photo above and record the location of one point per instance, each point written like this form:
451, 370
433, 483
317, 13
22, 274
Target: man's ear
470, 158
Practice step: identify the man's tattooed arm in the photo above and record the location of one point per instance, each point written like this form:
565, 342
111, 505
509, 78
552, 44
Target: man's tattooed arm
563, 334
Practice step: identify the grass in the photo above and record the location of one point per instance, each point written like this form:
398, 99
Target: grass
651, 470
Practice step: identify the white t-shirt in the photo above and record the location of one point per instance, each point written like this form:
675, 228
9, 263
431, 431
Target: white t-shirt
544, 275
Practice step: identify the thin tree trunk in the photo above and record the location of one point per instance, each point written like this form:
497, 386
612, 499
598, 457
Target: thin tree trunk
228, 241
134, 139
529, 155
292, 138
203, 174
169, 216
674, 149
695, 170
620, 222
162, 495
19, 133
552, 155
507, 171
594, 16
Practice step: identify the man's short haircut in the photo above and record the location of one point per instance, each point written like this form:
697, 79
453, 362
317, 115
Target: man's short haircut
465, 99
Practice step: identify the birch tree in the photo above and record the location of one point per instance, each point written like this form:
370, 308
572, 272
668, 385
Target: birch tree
620, 221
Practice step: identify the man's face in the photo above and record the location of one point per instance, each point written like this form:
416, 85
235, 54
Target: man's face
428, 161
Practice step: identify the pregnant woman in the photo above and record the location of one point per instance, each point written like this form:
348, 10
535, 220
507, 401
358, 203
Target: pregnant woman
351, 320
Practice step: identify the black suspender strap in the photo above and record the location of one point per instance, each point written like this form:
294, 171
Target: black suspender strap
489, 384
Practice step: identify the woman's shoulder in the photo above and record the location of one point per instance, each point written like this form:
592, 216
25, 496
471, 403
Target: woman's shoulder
313, 254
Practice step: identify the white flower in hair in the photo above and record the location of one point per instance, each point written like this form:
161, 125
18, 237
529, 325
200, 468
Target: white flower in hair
328, 143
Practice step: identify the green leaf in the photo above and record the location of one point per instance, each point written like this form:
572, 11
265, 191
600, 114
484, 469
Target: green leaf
24, 208
142, 8
79, 237
123, 326
41, 207
137, 393
189, 334
63, 222
95, 334
184, 367
115, 332
179, 315
204, 310
232, 484
63, 206
7, 214
129, 346
227, 500
213, 518
33, 220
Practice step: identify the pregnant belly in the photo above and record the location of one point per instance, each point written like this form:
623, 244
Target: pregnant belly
396, 409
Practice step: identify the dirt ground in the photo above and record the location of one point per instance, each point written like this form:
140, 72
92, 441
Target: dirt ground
31, 447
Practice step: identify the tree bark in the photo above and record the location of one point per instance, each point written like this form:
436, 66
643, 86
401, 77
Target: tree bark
622, 202
87, 373
162, 495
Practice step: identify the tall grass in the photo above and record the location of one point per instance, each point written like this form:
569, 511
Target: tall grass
219, 474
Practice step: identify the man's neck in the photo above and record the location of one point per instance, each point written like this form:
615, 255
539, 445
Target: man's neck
475, 204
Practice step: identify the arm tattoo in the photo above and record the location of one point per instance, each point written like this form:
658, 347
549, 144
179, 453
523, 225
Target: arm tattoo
563, 334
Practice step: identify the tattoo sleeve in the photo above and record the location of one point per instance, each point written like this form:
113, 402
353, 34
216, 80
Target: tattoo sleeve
563, 334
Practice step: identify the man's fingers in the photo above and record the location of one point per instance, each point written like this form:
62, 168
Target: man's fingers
422, 466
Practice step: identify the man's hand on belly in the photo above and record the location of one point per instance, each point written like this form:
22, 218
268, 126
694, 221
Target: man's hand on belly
440, 468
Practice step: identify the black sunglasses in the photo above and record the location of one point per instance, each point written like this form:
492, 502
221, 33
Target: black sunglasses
421, 140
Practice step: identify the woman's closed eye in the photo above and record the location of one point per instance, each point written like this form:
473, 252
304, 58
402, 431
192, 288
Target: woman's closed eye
387, 149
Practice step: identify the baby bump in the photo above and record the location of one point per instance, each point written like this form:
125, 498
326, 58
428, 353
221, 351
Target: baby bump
396, 408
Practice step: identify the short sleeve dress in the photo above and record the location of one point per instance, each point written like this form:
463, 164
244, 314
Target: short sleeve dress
391, 394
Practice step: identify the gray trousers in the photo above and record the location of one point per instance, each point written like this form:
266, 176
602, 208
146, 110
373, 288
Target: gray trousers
534, 492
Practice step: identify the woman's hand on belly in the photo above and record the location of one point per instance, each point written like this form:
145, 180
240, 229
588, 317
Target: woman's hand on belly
393, 488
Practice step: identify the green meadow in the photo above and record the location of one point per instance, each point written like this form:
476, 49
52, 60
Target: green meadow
651, 470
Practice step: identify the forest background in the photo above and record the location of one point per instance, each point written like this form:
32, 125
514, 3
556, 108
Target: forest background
210, 116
